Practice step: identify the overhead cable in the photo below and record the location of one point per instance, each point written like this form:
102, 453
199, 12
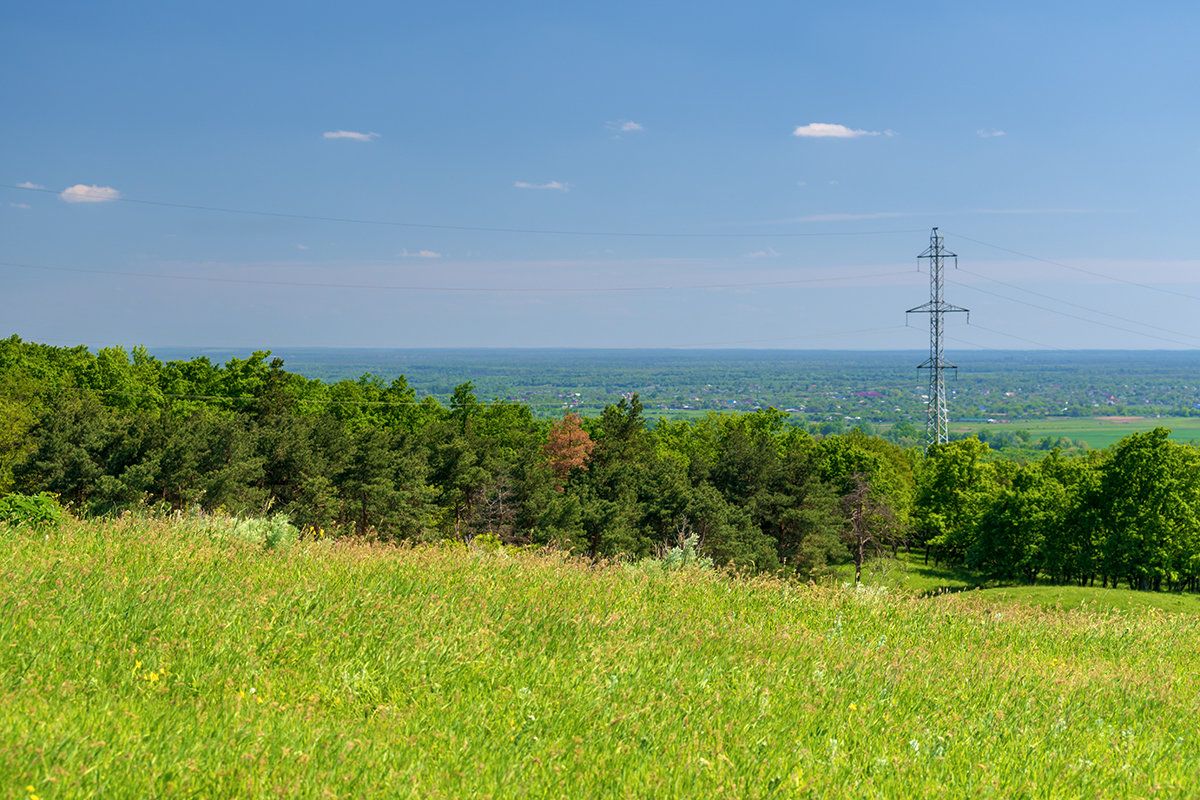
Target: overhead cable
474, 228
470, 289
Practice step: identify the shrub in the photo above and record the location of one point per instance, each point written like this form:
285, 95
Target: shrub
31, 510
274, 532
685, 555
271, 532
489, 542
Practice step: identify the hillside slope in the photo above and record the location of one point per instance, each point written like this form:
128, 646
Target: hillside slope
144, 659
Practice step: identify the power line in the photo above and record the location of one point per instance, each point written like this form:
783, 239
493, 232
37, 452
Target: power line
653, 346
1011, 336
1072, 304
461, 289
1085, 271
969, 343
615, 289
827, 335
1082, 270
1076, 316
733, 344
471, 228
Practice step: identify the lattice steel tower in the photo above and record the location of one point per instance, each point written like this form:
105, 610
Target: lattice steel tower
938, 427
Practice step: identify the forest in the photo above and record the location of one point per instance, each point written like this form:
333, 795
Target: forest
116, 431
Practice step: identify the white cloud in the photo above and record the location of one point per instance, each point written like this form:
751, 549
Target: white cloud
559, 185
29, 185
354, 135
829, 130
988, 134
19, 205
624, 126
301, 247
770, 252
420, 254
81, 193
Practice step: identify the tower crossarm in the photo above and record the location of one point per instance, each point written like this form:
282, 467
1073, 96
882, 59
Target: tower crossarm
929, 308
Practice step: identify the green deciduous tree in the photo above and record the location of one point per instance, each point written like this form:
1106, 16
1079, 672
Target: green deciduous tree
1149, 498
1014, 527
955, 484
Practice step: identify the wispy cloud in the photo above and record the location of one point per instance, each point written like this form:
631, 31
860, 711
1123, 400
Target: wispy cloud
853, 217
559, 185
301, 247
19, 205
830, 130
353, 135
30, 185
1031, 211
770, 252
988, 134
624, 126
834, 217
81, 193
420, 254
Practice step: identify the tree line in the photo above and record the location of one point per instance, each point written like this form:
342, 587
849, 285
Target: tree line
111, 430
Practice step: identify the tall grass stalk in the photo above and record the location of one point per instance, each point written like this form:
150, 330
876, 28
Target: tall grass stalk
138, 659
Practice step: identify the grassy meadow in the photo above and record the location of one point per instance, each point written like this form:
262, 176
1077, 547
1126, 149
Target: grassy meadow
909, 573
144, 659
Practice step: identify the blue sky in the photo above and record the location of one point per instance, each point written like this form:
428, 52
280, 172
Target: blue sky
665, 174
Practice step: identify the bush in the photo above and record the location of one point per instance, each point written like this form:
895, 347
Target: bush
685, 555
274, 532
31, 510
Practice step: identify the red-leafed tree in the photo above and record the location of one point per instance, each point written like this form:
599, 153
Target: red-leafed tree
568, 447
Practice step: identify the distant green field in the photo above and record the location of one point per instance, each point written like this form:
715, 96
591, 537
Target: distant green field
1095, 598
141, 660
1095, 432
911, 573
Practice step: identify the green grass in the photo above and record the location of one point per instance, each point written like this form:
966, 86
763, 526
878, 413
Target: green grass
910, 573
1095, 433
143, 660
1096, 598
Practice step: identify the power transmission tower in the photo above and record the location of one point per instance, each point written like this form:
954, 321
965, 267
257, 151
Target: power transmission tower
937, 429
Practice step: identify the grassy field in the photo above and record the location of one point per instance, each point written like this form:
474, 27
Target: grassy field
910, 573
1096, 432
138, 659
